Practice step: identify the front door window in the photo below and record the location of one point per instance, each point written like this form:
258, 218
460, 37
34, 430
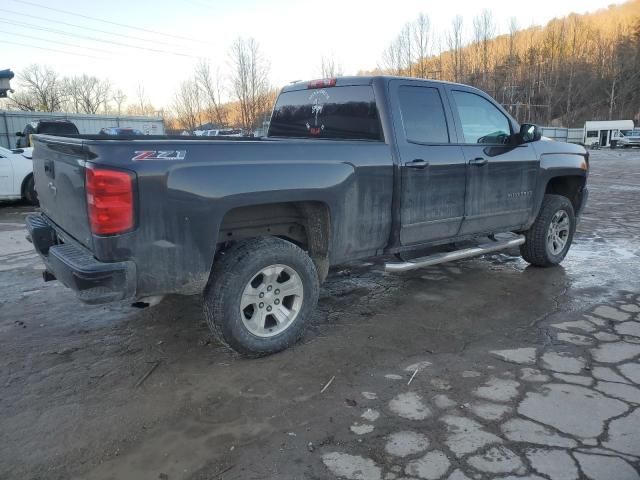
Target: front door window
481, 121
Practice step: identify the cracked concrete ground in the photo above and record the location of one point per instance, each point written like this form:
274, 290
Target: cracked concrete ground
516, 372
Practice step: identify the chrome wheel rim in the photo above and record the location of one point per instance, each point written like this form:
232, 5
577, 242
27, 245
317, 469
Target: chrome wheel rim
558, 233
272, 300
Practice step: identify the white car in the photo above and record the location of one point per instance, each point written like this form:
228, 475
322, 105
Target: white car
16, 175
629, 138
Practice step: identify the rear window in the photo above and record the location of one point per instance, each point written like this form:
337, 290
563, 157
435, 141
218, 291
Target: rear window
345, 113
58, 128
423, 115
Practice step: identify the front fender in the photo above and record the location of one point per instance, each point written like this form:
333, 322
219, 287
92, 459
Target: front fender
558, 160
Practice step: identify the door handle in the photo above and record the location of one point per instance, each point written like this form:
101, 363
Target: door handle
417, 163
479, 161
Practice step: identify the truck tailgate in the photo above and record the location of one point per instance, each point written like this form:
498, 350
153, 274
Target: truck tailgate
59, 173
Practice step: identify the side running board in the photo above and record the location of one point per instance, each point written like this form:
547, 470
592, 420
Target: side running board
457, 255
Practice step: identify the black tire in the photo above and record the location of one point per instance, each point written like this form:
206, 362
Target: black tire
535, 249
233, 270
30, 194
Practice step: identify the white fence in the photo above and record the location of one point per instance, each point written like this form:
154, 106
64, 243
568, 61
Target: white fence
15, 121
562, 134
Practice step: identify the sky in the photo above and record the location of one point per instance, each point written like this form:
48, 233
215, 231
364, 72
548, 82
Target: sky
156, 44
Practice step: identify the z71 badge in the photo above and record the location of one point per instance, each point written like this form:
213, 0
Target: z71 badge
160, 155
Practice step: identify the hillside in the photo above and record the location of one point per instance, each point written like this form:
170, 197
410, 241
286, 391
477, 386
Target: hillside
576, 68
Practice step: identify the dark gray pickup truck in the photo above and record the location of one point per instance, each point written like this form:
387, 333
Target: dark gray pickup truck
351, 167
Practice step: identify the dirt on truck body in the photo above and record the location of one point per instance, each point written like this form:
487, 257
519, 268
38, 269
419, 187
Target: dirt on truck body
351, 168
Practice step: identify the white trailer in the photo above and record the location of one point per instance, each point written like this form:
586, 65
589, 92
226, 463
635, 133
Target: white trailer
601, 132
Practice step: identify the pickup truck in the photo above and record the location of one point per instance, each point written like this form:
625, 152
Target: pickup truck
46, 126
351, 167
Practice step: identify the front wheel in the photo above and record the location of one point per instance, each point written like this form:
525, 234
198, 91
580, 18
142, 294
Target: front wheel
30, 194
549, 238
261, 295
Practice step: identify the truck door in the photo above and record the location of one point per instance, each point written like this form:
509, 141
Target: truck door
432, 168
501, 175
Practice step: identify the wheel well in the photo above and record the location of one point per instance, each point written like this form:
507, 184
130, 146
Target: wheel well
307, 224
569, 186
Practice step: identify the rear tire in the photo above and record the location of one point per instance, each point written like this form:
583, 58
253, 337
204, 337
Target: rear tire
261, 295
549, 238
30, 195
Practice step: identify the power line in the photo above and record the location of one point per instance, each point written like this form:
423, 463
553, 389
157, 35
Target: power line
50, 49
88, 28
165, 34
94, 39
46, 40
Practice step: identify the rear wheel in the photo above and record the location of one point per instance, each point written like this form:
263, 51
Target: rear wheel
30, 194
261, 295
549, 238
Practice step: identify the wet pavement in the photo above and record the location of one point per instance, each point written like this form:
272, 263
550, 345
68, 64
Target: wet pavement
483, 368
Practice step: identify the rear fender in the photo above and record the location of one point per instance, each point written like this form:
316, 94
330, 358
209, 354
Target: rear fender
201, 196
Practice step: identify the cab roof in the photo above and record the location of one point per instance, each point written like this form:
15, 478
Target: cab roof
360, 80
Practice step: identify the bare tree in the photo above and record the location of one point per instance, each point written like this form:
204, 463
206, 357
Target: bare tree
329, 68
573, 69
438, 63
421, 36
406, 48
454, 41
509, 90
39, 89
614, 68
210, 88
87, 94
187, 105
513, 32
573, 34
484, 30
142, 105
392, 58
249, 80
119, 97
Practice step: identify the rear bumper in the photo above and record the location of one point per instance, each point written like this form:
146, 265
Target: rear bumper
93, 281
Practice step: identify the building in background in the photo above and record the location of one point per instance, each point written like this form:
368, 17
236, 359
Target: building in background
14, 121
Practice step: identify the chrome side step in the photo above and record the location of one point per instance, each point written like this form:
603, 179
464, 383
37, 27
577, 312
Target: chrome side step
437, 258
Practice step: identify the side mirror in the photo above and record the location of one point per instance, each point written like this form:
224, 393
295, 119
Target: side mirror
530, 132
19, 134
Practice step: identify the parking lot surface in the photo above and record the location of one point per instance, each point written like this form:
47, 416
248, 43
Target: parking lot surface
483, 368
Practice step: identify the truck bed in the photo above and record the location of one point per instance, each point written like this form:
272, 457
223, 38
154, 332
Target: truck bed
186, 188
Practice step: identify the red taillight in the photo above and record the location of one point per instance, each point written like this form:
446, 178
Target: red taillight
322, 83
109, 201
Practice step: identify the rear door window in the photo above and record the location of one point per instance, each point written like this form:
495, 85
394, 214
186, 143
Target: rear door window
343, 113
423, 115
